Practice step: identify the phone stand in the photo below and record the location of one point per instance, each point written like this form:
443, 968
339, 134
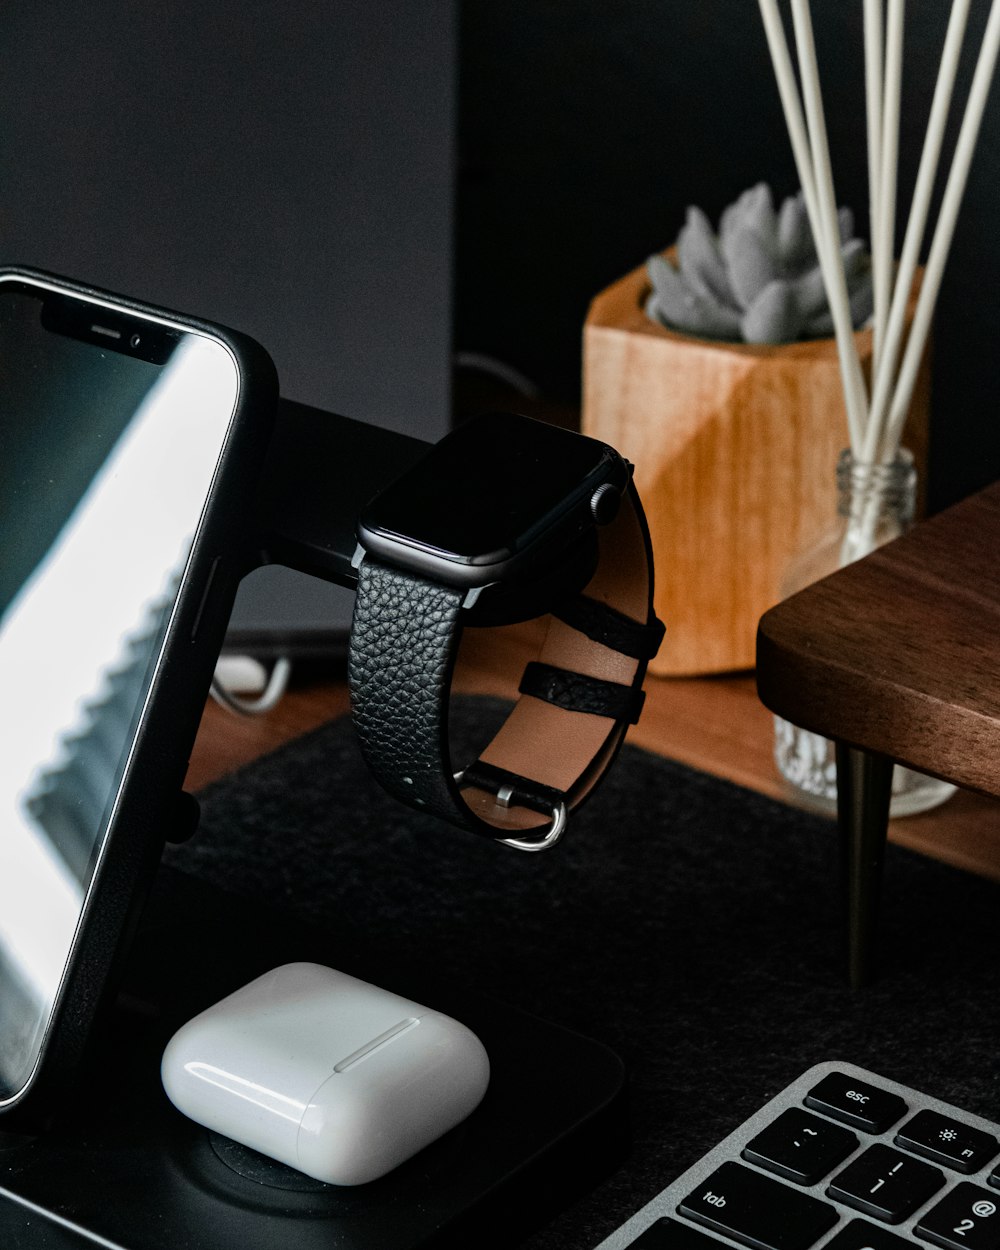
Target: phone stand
121, 1167
130, 1171
321, 470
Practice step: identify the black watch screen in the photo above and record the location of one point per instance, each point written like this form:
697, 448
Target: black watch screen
487, 497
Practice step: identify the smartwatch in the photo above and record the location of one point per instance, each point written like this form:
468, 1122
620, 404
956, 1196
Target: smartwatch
504, 520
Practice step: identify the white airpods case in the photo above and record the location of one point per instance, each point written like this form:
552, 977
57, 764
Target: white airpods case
326, 1073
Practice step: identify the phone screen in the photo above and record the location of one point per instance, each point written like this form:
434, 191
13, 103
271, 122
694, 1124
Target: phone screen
111, 429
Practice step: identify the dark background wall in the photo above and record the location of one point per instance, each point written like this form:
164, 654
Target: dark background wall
289, 168
286, 168
283, 167
587, 127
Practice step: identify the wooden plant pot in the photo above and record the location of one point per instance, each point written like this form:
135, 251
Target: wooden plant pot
735, 450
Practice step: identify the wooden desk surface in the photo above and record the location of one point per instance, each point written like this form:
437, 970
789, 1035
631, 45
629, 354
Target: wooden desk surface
714, 724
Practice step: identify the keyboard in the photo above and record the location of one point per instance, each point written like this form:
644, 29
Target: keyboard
841, 1159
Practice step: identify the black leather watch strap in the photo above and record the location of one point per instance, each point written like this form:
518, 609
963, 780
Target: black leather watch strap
404, 639
580, 693
555, 746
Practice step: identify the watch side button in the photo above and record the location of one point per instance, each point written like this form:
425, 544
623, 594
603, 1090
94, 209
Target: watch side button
604, 503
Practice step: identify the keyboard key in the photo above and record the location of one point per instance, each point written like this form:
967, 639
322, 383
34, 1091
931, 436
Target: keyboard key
944, 1140
860, 1235
758, 1211
855, 1103
669, 1235
886, 1184
801, 1147
967, 1216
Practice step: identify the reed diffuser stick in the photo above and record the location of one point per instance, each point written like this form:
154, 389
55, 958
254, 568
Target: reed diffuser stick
884, 366
875, 429
788, 91
855, 398
873, 27
943, 234
883, 229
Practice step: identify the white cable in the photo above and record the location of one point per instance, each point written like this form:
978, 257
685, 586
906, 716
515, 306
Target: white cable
276, 686
481, 363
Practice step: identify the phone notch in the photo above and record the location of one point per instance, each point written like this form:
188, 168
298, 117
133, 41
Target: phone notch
109, 328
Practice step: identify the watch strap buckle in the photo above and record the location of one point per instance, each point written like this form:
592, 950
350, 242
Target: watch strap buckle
513, 790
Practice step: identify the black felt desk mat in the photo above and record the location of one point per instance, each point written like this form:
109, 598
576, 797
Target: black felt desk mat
687, 923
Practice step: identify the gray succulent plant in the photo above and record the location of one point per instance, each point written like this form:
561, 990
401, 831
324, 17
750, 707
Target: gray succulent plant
758, 280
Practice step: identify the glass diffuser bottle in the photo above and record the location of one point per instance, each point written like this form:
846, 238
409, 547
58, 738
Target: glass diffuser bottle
875, 505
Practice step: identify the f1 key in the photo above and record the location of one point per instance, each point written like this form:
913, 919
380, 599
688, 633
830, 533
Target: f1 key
944, 1140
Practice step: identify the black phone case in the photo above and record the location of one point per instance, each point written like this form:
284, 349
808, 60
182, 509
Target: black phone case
150, 797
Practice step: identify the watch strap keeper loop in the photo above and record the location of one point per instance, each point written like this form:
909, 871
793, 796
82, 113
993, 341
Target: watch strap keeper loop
613, 629
579, 692
512, 789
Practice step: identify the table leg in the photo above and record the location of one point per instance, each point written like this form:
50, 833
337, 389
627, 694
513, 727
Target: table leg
864, 788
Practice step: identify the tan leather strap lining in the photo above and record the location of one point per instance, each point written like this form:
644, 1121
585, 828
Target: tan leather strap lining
560, 748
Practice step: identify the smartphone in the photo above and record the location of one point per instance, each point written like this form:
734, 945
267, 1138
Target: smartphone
131, 440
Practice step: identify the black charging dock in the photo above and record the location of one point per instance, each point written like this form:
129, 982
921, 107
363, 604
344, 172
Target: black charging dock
120, 1167
123, 1168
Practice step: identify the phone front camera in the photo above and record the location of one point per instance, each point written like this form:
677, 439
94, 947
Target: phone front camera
134, 341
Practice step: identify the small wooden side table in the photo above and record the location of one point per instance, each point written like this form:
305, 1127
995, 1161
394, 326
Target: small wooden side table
896, 658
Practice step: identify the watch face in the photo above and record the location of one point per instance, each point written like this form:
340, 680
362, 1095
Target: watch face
485, 494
